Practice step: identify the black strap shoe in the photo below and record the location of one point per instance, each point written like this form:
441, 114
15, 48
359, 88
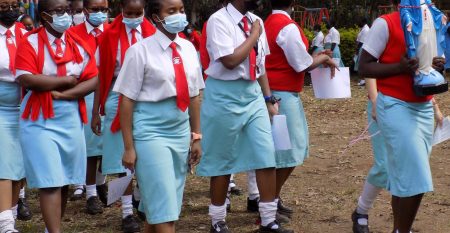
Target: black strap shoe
268, 228
23, 210
357, 228
77, 196
130, 224
284, 210
94, 206
252, 205
220, 227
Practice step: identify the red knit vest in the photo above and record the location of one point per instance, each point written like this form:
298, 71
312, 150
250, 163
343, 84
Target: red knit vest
282, 77
398, 86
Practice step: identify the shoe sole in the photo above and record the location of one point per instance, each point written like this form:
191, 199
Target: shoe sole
22, 218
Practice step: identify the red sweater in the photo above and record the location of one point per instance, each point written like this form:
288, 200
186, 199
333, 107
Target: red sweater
398, 86
81, 31
204, 56
282, 77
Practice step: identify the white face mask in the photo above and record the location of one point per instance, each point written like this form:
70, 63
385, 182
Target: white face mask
78, 18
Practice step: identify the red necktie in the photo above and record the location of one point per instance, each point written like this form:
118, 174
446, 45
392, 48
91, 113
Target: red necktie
183, 99
252, 57
11, 51
133, 36
61, 70
96, 34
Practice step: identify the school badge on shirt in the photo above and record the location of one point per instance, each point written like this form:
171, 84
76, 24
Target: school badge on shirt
176, 60
10, 41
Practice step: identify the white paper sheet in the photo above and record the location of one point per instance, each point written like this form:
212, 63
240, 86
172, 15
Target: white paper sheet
117, 187
442, 133
280, 133
327, 88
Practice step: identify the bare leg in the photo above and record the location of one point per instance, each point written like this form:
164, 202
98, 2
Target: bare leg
168, 227
6, 195
219, 189
64, 197
149, 228
405, 213
266, 179
282, 176
129, 190
50, 200
91, 170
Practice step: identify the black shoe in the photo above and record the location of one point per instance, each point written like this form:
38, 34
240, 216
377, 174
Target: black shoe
94, 206
220, 227
252, 205
268, 228
130, 224
282, 218
23, 210
357, 228
236, 191
284, 210
102, 193
76, 197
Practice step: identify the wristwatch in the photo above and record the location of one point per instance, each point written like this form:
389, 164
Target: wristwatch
271, 99
196, 136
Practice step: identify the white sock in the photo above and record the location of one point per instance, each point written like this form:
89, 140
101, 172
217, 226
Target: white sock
137, 193
127, 206
231, 184
22, 193
253, 192
14, 211
100, 178
268, 211
78, 189
217, 213
366, 200
6, 220
46, 231
91, 191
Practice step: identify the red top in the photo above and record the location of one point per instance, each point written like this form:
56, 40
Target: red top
282, 77
27, 59
397, 86
81, 31
204, 56
195, 40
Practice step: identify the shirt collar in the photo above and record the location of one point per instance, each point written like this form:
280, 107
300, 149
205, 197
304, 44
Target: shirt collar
235, 14
51, 38
164, 41
4, 29
90, 28
138, 29
281, 12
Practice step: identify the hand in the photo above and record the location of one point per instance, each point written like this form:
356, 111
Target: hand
72, 81
328, 52
129, 159
438, 64
409, 66
374, 110
56, 95
196, 153
409, 27
96, 124
444, 20
273, 109
256, 28
438, 117
333, 67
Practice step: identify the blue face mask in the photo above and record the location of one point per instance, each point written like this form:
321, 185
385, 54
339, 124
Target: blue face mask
175, 23
133, 23
96, 19
61, 23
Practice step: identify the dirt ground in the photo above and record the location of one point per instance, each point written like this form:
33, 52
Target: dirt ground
323, 192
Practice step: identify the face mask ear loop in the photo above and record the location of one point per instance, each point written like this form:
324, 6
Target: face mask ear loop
363, 136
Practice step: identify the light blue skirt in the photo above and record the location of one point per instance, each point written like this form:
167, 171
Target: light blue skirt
336, 53
237, 135
94, 145
54, 150
292, 107
357, 60
162, 146
378, 172
408, 131
11, 158
112, 142
318, 50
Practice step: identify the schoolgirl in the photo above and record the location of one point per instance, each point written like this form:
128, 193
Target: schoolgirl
332, 41
405, 119
11, 161
90, 31
127, 29
58, 69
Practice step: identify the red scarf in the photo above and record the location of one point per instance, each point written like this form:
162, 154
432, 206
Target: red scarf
29, 61
108, 52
